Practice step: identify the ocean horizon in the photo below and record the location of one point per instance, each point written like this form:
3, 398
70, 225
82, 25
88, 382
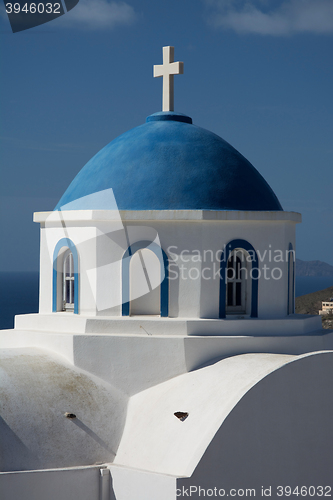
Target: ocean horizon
19, 293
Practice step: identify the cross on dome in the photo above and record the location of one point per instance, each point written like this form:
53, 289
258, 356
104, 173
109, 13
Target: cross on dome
168, 69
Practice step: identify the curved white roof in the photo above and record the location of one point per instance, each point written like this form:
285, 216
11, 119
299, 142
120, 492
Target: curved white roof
155, 440
36, 390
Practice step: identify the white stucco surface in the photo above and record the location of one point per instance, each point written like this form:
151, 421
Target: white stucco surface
279, 434
102, 238
135, 362
156, 440
79, 483
251, 420
37, 389
293, 324
132, 362
129, 215
141, 485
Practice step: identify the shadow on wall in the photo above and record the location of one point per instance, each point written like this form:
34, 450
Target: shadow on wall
93, 435
23, 455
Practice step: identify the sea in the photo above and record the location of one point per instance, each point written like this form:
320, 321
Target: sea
19, 293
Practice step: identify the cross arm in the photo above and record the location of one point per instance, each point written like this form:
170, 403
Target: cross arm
174, 68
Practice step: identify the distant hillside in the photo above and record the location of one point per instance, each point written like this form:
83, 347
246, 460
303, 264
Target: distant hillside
313, 268
311, 303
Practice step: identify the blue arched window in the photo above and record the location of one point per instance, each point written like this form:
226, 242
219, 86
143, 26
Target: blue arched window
239, 263
164, 267
291, 280
65, 287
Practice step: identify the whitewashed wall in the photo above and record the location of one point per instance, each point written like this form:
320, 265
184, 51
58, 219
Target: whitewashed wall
194, 288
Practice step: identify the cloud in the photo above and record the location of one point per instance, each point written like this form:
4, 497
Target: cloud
275, 18
98, 14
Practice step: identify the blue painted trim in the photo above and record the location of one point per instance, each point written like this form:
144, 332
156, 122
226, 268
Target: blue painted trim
126, 275
65, 242
245, 245
292, 291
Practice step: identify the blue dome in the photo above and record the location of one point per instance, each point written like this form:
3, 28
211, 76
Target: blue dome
170, 164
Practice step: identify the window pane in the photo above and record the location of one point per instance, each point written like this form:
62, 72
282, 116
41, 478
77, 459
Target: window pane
71, 292
67, 291
71, 264
238, 294
67, 266
231, 271
229, 294
238, 266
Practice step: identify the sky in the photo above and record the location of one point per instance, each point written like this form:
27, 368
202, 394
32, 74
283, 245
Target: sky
258, 73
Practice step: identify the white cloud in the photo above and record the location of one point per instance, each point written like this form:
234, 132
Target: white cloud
277, 18
98, 14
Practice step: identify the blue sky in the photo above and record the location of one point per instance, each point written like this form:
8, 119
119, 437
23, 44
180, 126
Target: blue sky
258, 73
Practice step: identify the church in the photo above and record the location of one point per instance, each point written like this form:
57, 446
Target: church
166, 360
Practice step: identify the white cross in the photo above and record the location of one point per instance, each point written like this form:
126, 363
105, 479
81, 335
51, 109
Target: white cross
168, 69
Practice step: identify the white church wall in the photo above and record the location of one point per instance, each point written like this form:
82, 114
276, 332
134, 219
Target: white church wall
131, 363
69, 323
84, 239
273, 288
110, 246
45, 275
154, 439
185, 267
209, 288
87, 483
199, 296
135, 362
145, 280
40, 388
290, 239
80, 483
256, 412
140, 485
193, 247
112, 243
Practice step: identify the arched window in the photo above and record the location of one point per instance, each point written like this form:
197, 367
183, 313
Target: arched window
68, 280
239, 274
65, 287
236, 283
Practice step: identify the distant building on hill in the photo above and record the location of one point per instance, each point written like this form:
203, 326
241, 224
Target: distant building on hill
327, 307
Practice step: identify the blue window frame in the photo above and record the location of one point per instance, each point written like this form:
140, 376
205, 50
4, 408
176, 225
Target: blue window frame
58, 268
254, 274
